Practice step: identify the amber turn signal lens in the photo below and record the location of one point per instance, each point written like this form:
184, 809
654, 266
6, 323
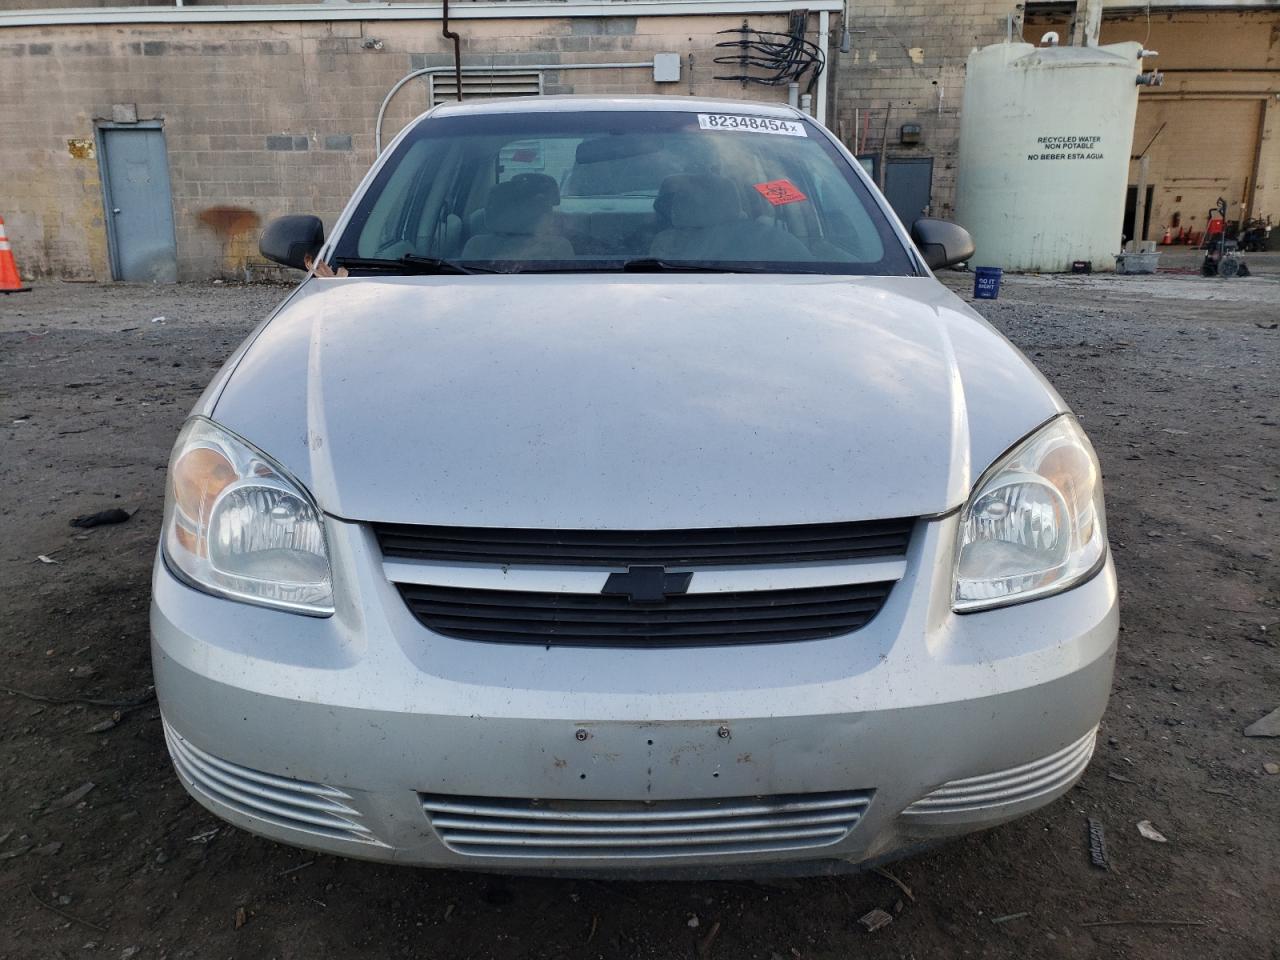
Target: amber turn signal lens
198, 477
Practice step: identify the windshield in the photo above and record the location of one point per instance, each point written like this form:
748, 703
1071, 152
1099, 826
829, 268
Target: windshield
615, 190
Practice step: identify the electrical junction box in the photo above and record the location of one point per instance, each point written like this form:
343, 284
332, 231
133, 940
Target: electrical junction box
666, 67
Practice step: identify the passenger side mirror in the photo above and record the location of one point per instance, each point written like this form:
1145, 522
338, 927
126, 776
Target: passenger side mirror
287, 240
941, 243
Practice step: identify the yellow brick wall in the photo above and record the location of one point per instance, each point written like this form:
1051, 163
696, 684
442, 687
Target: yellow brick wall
1221, 73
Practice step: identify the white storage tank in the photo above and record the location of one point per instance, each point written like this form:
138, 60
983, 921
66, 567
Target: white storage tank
1045, 138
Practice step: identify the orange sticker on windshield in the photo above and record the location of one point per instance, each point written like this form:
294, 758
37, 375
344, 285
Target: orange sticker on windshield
779, 192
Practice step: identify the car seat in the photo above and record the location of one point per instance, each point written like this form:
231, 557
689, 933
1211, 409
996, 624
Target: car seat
517, 216
708, 223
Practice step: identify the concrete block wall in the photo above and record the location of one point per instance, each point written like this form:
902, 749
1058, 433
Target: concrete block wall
263, 119
909, 59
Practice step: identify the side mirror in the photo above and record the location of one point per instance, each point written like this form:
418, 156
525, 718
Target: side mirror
288, 239
941, 243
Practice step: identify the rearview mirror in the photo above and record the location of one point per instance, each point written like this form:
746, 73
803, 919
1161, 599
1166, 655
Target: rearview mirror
616, 147
941, 243
288, 240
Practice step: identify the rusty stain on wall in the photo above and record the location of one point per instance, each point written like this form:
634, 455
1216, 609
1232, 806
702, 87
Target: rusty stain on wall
237, 227
81, 148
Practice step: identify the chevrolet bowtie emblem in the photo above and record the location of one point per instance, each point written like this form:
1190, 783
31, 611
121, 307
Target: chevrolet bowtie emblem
646, 584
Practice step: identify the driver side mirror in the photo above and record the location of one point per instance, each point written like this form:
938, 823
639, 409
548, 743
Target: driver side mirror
941, 243
287, 240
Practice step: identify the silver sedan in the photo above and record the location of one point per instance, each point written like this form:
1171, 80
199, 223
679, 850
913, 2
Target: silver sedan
621, 493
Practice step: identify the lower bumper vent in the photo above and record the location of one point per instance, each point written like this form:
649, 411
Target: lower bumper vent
609, 830
294, 804
1021, 784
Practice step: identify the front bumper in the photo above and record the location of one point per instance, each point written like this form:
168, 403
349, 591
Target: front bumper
366, 735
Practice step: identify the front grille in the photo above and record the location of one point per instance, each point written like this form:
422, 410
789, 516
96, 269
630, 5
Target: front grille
608, 830
713, 546
295, 804
694, 619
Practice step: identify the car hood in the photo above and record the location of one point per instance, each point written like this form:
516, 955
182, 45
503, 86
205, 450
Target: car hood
643, 402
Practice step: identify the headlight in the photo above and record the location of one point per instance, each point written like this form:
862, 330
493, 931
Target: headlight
236, 524
1035, 523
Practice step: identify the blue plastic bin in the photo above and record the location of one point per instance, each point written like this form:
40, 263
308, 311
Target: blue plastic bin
986, 282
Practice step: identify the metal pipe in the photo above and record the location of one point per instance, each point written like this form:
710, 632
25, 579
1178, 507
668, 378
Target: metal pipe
793, 94
1087, 23
430, 71
1140, 206
1206, 95
1092, 22
824, 41
834, 107
1150, 142
1219, 70
884, 143
1126, 7
1251, 195
457, 47
329, 12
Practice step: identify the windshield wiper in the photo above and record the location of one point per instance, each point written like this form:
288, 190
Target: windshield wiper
656, 265
409, 263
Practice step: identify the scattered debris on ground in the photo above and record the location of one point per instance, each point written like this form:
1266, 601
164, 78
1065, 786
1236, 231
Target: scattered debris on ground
1011, 916
875, 919
705, 944
1151, 833
101, 518
72, 798
1097, 844
1268, 726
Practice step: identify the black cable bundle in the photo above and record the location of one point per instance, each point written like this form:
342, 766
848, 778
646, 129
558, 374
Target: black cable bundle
785, 56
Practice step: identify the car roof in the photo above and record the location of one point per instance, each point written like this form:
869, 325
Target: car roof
572, 103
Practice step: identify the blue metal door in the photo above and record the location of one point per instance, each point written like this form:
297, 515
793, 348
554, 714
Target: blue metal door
135, 185
908, 186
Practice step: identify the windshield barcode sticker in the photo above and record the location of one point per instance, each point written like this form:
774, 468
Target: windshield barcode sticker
728, 121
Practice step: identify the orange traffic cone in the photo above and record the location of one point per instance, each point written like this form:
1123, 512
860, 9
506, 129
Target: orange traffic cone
10, 282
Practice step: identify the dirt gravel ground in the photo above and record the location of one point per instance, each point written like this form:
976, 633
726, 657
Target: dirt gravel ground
102, 854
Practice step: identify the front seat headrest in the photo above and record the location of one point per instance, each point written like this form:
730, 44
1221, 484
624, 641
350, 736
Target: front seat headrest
520, 205
691, 200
